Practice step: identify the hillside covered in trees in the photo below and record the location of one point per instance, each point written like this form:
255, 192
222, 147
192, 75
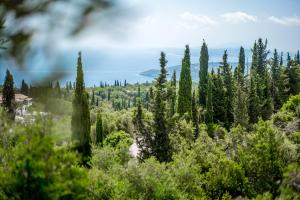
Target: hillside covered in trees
235, 134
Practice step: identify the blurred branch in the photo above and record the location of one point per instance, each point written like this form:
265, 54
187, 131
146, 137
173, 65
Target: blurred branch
22, 21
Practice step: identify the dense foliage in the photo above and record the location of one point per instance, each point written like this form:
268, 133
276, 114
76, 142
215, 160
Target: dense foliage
151, 141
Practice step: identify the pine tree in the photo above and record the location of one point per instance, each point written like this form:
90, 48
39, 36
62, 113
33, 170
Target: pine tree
195, 117
226, 72
161, 147
253, 101
209, 104
218, 96
8, 96
203, 74
240, 111
185, 85
81, 117
242, 60
99, 130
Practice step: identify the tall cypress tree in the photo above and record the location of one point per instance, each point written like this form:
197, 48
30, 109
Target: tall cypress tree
240, 111
288, 60
254, 57
262, 54
24, 88
80, 123
242, 60
253, 101
218, 96
185, 85
144, 137
226, 72
298, 57
195, 117
172, 102
281, 59
8, 95
161, 139
93, 98
99, 130
275, 71
294, 78
209, 104
57, 89
267, 103
203, 74
283, 85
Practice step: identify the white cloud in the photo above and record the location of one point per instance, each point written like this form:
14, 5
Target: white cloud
148, 20
286, 21
199, 20
238, 17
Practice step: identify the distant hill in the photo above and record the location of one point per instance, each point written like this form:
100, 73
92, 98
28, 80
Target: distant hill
194, 70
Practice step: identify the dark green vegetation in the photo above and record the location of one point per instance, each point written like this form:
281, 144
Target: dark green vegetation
240, 139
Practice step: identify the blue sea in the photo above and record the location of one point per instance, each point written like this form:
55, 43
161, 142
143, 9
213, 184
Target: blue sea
106, 65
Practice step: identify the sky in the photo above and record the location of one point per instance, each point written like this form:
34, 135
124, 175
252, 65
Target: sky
222, 23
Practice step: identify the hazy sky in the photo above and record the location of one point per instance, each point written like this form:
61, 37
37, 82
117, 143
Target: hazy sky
222, 23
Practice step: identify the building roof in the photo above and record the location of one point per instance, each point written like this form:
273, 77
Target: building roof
19, 98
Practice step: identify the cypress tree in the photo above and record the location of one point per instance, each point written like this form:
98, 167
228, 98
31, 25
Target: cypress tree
262, 54
139, 92
298, 57
81, 117
242, 60
240, 112
267, 104
99, 130
57, 89
8, 96
203, 74
218, 96
147, 99
281, 59
195, 117
185, 85
226, 72
24, 88
93, 98
283, 85
288, 60
161, 138
144, 138
254, 57
253, 101
173, 94
209, 104
97, 102
275, 70
294, 78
